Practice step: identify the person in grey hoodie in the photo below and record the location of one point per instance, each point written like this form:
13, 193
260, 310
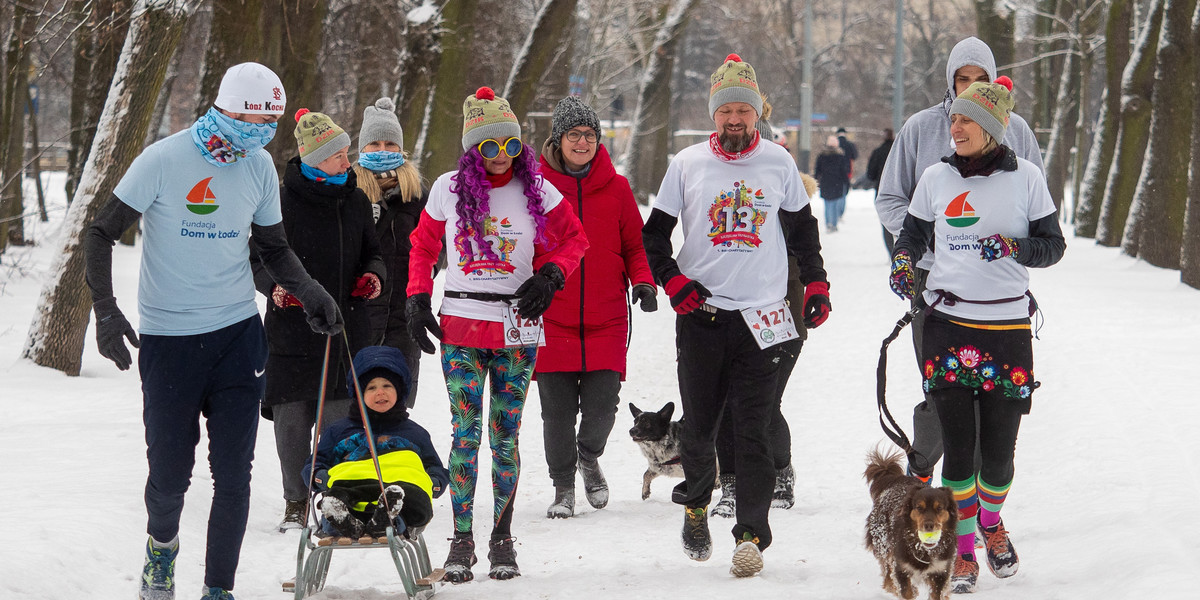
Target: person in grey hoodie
923, 141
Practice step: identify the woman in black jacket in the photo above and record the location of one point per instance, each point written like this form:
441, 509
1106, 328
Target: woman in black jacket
398, 195
329, 227
832, 171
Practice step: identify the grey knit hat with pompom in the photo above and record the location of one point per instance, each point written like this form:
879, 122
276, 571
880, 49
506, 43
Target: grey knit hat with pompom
380, 124
570, 113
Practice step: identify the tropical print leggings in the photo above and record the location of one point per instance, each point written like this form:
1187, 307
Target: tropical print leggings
509, 371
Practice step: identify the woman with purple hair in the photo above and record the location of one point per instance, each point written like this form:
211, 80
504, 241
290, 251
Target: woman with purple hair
511, 243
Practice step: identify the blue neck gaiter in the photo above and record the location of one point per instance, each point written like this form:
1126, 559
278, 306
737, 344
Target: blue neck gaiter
224, 140
315, 174
378, 162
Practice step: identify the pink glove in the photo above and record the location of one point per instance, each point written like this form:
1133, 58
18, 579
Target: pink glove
367, 287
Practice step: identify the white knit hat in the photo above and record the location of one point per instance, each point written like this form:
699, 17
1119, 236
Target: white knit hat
252, 89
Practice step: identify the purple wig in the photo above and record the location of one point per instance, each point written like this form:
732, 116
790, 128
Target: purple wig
473, 189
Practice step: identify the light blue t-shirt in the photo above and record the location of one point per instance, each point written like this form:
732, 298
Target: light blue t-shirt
195, 274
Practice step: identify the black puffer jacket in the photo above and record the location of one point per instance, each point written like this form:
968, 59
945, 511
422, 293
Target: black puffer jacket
397, 220
332, 231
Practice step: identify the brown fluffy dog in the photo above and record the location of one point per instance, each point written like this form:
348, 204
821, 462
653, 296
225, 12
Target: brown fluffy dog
911, 529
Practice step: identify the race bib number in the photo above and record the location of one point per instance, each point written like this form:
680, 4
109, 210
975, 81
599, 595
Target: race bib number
519, 331
771, 324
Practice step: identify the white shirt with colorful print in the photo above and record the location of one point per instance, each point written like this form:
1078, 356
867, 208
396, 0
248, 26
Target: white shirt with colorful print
509, 230
965, 210
733, 242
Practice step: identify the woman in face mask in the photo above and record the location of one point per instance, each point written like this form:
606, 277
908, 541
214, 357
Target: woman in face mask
329, 225
397, 193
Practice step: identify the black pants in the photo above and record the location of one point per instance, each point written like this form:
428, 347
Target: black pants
592, 395
778, 432
993, 432
719, 364
927, 430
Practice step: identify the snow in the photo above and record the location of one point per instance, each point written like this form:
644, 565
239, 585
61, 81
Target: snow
422, 14
1102, 505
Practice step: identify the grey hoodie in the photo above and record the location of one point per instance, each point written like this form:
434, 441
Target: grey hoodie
925, 139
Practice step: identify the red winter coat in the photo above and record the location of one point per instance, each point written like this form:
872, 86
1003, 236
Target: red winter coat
587, 326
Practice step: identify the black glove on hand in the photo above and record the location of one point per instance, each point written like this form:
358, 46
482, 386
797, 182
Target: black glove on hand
420, 317
536, 294
111, 330
320, 308
645, 295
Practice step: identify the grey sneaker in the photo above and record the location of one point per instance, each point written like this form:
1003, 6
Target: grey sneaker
564, 504
785, 488
158, 572
594, 485
293, 515
747, 557
727, 506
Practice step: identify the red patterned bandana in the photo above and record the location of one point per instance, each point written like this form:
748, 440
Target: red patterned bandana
714, 144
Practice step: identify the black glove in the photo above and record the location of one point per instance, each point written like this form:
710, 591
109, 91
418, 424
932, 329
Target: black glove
645, 295
320, 308
536, 294
420, 319
111, 330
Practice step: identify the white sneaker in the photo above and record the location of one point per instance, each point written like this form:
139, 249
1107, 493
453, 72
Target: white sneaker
747, 559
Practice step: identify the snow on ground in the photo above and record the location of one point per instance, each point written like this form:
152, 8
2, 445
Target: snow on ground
1102, 506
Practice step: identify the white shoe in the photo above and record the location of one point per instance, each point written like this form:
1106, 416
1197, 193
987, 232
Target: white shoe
747, 559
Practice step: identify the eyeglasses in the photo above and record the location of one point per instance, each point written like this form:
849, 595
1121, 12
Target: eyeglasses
573, 136
490, 149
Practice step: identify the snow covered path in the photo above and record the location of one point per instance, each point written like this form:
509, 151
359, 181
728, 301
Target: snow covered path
1102, 506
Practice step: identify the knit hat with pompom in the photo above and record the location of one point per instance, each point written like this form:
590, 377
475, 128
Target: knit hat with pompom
380, 124
734, 81
486, 116
988, 104
318, 137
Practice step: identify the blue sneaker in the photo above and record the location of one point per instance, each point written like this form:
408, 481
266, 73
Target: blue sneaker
158, 574
212, 593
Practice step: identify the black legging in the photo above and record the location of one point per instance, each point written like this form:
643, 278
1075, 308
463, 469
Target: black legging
999, 419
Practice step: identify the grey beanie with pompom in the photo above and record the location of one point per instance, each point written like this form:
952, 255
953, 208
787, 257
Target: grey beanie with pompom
380, 124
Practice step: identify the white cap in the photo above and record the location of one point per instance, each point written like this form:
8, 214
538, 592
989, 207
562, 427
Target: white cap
251, 88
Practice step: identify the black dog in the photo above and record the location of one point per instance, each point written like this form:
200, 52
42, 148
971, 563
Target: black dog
911, 529
658, 437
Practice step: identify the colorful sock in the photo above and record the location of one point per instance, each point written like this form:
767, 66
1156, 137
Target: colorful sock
991, 499
967, 499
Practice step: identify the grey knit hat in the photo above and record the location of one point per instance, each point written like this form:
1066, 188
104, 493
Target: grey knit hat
569, 113
380, 124
734, 81
988, 104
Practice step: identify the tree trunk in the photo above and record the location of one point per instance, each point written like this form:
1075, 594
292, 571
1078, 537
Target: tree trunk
235, 37
422, 52
378, 29
56, 335
293, 40
1137, 86
1116, 56
1058, 152
158, 118
996, 25
110, 23
81, 69
1154, 230
1042, 114
1189, 259
16, 90
442, 140
646, 162
545, 48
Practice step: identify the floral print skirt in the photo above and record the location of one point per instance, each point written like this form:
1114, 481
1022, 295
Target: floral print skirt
994, 357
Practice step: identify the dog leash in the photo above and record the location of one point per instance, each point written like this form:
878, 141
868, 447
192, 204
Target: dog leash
890, 427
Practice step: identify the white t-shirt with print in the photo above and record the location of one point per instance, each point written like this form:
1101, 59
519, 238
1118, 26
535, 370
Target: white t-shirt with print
733, 242
965, 210
195, 274
509, 230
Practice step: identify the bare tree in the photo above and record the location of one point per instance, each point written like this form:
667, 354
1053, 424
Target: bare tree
1137, 87
292, 40
235, 36
543, 50
1154, 230
442, 149
56, 335
1189, 266
12, 115
419, 59
996, 24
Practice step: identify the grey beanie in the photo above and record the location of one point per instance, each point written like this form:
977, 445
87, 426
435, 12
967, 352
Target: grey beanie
569, 113
380, 124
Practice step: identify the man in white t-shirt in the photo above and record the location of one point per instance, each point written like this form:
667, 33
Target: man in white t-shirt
201, 193
743, 209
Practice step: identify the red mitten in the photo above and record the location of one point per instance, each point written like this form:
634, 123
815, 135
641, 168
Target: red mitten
367, 287
283, 299
816, 304
686, 295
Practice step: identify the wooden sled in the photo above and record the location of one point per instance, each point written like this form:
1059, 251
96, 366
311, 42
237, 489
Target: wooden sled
420, 579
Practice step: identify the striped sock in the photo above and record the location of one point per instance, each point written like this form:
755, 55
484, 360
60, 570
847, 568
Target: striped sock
967, 499
991, 499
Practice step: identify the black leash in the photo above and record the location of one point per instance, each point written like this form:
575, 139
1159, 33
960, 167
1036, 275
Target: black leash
890, 427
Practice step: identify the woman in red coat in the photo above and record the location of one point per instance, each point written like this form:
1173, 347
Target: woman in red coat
580, 370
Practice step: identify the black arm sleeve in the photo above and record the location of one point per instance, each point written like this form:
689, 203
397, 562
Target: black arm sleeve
102, 234
915, 235
656, 238
1045, 244
277, 259
803, 236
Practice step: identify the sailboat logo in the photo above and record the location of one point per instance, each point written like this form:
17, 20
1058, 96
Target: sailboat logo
201, 200
960, 213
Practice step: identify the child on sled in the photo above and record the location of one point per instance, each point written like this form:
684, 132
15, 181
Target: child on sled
352, 505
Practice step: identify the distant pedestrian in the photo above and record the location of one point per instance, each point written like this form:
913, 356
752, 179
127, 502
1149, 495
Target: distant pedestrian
875, 173
832, 171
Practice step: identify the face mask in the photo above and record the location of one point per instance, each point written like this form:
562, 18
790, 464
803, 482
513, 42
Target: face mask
224, 140
380, 161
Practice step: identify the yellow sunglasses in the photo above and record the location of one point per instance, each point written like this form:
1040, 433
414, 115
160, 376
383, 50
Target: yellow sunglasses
490, 149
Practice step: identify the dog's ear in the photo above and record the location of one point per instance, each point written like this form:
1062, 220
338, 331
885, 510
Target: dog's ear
667, 411
633, 409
